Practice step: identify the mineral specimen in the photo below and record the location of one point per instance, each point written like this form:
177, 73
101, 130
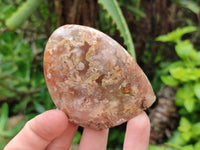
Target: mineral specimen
93, 79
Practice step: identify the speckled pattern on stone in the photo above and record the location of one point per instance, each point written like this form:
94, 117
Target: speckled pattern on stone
93, 79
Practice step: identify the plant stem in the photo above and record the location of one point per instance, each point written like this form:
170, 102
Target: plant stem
174, 146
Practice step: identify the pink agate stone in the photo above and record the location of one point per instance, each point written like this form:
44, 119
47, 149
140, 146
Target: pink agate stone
93, 79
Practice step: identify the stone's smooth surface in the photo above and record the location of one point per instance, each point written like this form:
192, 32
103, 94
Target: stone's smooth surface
93, 79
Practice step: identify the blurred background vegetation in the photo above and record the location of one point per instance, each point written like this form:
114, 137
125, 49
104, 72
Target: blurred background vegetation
163, 35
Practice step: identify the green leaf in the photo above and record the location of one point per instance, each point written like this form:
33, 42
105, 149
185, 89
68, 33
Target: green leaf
3, 143
30, 116
187, 136
22, 13
185, 97
4, 116
196, 129
169, 80
12, 132
197, 146
179, 98
189, 104
188, 147
7, 68
191, 5
197, 90
176, 138
77, 137
38, 107
185, 125
6, 10
176, 35
185, 50
176, 64
115, 12
155, 147
182, 111
187, 90
198, 58
185, 74
138, 12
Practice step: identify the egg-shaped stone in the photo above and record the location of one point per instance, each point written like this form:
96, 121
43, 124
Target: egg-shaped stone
93, 79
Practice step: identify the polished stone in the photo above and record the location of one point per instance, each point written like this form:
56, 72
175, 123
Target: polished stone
93, 79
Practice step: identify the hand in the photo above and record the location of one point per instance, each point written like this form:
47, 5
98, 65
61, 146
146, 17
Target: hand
51, 130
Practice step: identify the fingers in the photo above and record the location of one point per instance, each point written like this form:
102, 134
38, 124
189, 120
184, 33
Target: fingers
93, 140
40, 131
53, 130
63, 142
137, 133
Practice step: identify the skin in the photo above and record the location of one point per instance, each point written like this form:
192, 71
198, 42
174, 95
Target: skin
52, 130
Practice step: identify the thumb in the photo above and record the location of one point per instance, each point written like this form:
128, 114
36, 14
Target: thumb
40, 131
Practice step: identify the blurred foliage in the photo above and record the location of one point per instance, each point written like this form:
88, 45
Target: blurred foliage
115, 12
185, 74
191, 5
22, 85
134, 7
115, 139
5, 133
22, 14
77, 137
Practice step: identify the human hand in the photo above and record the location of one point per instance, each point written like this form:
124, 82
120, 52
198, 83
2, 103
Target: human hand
51, 130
